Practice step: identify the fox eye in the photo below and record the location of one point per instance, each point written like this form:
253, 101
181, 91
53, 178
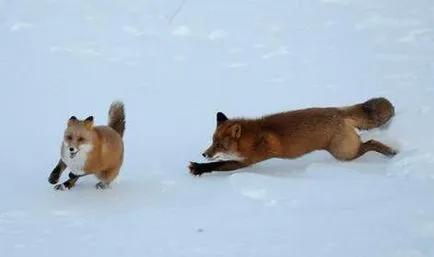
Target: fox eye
80, 139
69, 137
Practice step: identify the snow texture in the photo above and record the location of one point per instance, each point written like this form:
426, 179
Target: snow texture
175, 64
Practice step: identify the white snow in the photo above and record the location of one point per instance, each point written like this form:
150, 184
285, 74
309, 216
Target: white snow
175, 64
216, 34
181, 31
21, 26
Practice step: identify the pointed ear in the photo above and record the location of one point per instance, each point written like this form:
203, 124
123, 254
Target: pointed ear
72, 120
236, 131
221, 117
88, 122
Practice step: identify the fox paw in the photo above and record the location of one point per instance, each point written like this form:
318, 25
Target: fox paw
101, 185
59, 187
194, 168
392, 152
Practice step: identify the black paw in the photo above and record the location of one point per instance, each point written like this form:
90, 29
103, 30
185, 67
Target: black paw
196, 169
102, 185
392, 152
72, 175
60, 187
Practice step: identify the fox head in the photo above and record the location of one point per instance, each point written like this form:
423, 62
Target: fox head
78, 135
225, 141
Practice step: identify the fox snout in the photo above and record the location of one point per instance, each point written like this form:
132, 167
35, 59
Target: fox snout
206, 155
72, 151
209, 153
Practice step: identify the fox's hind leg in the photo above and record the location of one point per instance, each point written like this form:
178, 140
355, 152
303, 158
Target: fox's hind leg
347, 146
374, 145
106, 177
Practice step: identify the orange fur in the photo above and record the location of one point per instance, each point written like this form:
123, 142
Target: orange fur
295, 133
88, 149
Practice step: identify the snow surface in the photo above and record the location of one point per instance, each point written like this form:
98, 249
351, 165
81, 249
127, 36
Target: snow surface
175, 64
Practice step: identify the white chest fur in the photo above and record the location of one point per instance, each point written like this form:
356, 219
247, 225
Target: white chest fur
78, 161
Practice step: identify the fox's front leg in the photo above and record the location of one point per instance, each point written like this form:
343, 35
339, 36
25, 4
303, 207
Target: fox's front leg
70, 182
57, 171
200, 168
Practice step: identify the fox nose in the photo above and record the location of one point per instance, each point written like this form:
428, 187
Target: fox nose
71, 149
204, 155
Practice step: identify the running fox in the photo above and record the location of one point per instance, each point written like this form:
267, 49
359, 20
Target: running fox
87, 149
243, 142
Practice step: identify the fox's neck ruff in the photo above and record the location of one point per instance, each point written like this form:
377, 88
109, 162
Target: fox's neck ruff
76, 161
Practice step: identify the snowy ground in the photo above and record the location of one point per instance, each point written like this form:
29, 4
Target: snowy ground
175, 66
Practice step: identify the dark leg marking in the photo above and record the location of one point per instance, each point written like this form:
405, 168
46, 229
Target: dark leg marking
70, 183
57, 171
200, 168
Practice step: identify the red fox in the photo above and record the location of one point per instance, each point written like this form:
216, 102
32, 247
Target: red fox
243, 142
87, 149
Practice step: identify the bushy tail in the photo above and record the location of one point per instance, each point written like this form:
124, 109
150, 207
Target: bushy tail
370, 114
117, 117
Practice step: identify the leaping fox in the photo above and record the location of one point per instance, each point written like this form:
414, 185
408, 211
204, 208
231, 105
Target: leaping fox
244, 142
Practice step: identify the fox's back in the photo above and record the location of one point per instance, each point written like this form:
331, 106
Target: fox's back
300, 130
310, 120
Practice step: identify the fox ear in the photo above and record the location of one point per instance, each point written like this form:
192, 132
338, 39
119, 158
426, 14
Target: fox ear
236, 131
72, 120
88, 122
221, 117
